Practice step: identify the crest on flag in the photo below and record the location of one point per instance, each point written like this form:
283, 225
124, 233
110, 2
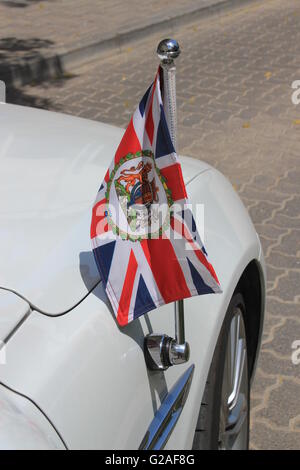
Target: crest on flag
143, 233
143, 196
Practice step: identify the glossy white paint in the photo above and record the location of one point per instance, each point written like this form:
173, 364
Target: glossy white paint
51, 168
12, 310
23, 426
90, 377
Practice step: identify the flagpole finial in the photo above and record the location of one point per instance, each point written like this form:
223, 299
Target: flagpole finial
168, 50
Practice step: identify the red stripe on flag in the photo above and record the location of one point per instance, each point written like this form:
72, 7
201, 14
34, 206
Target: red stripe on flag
166, 269
174, 180
97, 218
149, 125
106, 177
106, 228
181, 228
129, 143
202, 258
124, 304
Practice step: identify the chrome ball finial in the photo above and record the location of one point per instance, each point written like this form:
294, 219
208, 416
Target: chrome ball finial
168, 49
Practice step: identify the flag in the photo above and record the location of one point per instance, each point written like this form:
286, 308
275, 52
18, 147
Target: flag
144, 237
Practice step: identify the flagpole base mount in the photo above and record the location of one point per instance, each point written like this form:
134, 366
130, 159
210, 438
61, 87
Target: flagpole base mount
162, 352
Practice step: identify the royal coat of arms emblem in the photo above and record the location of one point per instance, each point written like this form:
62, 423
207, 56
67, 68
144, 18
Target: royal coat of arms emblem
142, 195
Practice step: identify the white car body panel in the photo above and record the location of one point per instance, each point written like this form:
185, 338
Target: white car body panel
13, 310
87, 375
51, 168
23, 426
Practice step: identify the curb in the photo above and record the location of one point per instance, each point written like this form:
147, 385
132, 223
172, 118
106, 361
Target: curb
55, 66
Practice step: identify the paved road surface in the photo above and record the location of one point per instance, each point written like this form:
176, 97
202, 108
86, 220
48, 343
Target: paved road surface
37, 29
235, 112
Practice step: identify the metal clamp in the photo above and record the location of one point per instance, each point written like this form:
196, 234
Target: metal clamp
162, 351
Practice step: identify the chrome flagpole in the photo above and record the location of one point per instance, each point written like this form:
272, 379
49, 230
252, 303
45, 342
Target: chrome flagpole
162, 351
167, 51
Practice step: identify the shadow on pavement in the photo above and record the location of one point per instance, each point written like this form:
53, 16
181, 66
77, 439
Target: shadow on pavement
22, 62
18, 95
19, 3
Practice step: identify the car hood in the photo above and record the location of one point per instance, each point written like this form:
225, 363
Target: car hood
51, 168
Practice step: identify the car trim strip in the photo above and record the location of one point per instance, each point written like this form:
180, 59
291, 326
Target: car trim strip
167, 415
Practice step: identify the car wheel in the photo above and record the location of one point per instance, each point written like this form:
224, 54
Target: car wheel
223, 421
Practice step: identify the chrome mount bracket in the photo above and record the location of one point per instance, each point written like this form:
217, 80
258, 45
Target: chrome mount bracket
162, 351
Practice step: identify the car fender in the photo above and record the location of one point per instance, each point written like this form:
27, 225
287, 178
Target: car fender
81, 367
23, 426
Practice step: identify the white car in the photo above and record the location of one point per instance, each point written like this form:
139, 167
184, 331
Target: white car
69, 377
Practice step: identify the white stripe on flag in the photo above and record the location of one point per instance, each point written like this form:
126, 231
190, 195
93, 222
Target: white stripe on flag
118, 268
203, 271
145, 270
103, 238
133, 296
139, 127
156, 111
187, 223
181, 258
167, 160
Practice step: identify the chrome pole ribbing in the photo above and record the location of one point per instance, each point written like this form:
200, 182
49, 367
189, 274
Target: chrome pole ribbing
169, 98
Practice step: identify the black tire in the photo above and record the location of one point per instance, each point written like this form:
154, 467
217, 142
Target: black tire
208, 425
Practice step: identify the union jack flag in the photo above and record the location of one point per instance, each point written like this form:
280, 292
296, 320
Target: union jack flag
143, 233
